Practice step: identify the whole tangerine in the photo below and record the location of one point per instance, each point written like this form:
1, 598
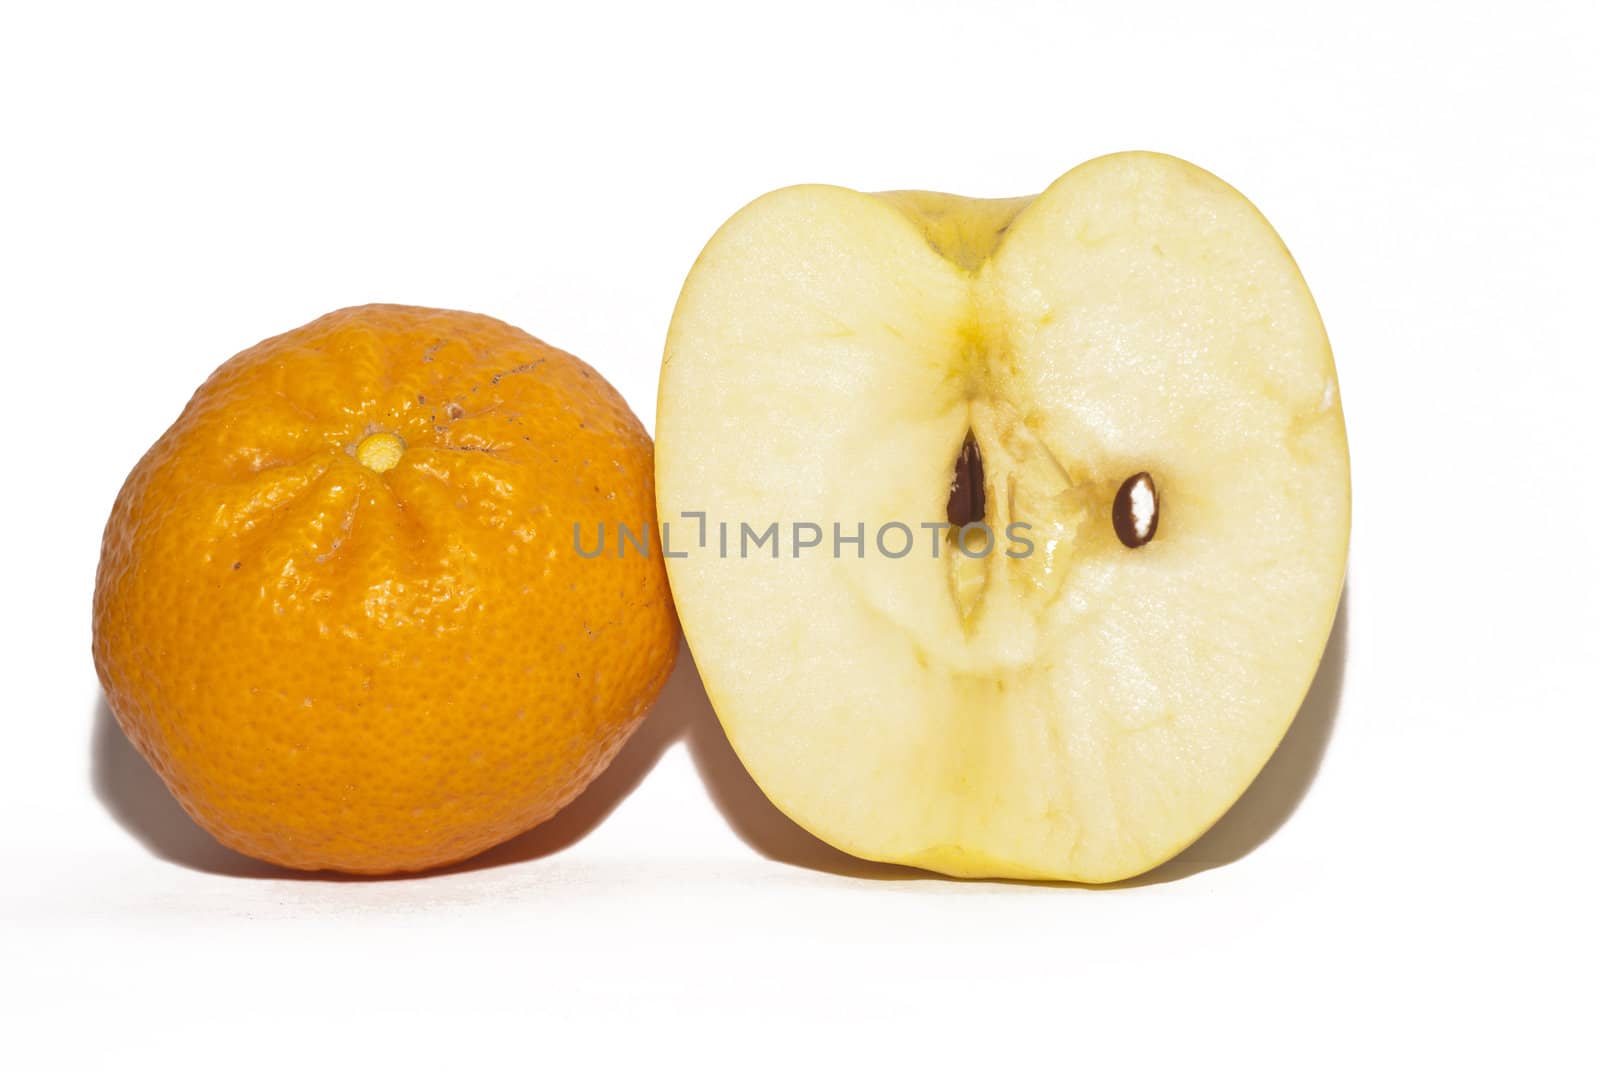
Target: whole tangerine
340, 607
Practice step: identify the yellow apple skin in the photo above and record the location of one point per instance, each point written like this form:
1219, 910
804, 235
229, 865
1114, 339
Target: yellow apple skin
1080, 713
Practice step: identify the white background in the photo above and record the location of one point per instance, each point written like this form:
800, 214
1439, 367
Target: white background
1411, 881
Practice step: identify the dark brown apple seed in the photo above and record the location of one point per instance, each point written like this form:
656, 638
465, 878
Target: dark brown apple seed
967, 503
1136, 510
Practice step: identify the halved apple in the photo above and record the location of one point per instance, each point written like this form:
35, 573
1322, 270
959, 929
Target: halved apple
1123, 388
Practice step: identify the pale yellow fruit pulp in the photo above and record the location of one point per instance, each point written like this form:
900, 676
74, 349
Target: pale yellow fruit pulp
1080, 713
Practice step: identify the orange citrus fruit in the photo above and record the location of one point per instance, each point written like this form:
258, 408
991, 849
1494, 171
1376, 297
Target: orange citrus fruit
340, 607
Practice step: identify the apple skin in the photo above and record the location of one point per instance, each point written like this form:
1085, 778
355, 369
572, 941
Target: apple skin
1082, 713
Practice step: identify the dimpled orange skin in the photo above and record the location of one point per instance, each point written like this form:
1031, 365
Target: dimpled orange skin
333, 666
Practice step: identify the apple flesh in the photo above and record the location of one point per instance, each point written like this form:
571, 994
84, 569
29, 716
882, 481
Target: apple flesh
1082, 711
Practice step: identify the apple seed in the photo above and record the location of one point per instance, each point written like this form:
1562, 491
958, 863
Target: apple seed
967, 503
1136, 510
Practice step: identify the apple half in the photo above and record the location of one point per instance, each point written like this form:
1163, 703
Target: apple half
1122, 387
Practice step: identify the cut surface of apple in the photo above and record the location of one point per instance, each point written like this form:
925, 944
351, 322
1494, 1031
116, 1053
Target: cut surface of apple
1123, 388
